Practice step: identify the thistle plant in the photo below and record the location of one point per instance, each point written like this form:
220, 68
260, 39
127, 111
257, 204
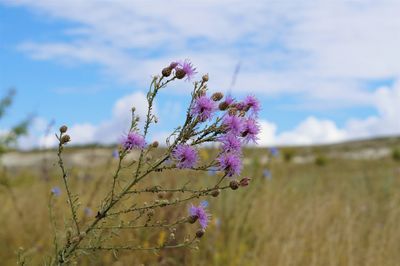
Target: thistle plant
210, 119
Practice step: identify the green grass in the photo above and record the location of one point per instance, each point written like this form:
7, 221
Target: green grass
339, 212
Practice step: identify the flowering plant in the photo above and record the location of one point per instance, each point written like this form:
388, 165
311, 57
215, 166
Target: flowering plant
209, 119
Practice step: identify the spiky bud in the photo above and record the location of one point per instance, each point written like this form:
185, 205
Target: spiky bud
180, 73
200, 233
234, 184
63, 129
205, 78
244, 181
65, 139
217, 96
166, 72
215, 193
233, 111
223, 106
192, 219
155, 144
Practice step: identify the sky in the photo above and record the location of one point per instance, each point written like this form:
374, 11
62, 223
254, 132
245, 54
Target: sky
324, 71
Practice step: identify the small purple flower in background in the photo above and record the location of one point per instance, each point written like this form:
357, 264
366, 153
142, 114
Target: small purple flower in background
230, 143
201, 213
252, 104
115, 153
230, 163
56, 191
204, 108
133, 141
233, 124
185, 155
267, 174
250, 130
188, 68
88, 212
274, 151
173, 65
212, 171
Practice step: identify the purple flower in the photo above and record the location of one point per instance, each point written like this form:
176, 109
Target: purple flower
201, 213
56, 191
274, 151
229, 99
185, 155
188, 68
212, 170
203, 108
230, 163
250, 130
133, 141
267, 174
233, 124
173, 65
230, 143
115, 153
252, 104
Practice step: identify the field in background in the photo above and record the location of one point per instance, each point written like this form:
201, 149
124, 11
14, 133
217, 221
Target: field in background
323, 205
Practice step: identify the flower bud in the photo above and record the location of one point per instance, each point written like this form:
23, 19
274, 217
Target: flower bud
155, 144
180, 73
205, 78
232, 111
223, 106
166, 72
200, 233
244, 181
63, 129
65, 139
192, 219
217, 96
215, 193
234, 184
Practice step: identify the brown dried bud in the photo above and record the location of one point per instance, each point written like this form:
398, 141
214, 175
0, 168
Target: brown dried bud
244, 181
215, 193
223, 106
200, 233
65, 139
233, 111
205, 78
180, 73
217, 96
192, 219
166, 72
155, 144
234, 184
161, 195
63, 129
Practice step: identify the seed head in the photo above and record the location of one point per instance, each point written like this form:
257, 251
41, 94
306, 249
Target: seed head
215, 193
63, 129
65, 139
217, 96
180, 73
200, 233
205, 78
155, 144
244, 181
234, 184
166, 72
223, 106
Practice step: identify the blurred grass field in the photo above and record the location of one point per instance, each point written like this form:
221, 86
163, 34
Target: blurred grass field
322, 205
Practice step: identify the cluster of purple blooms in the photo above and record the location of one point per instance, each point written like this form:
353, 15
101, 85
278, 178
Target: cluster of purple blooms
200, 213
185, 156
133, 141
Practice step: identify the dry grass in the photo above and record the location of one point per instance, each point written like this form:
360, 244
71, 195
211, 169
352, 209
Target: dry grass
346, 212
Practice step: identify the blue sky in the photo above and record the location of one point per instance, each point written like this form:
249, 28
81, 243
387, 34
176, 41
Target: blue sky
325, 71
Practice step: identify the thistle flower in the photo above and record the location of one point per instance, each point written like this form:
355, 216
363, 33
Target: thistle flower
229, 99
250, 130
201, 213
56, 191
233, 124
186, 156
188, 68
230, 143
251, 103
133, 141
203, 108
230, 163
